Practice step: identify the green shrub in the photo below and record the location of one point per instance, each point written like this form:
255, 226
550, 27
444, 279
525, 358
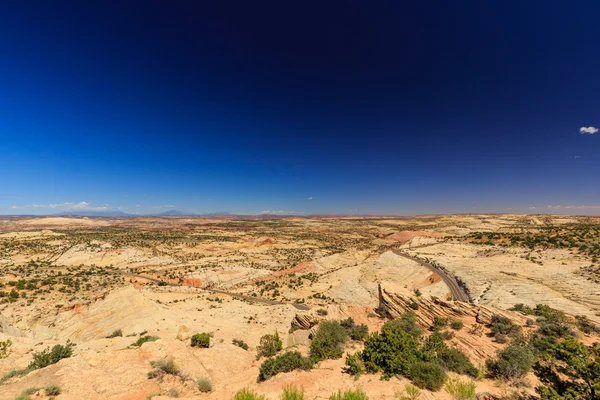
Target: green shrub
144, 339
456, 361
460, 390
427, 375
247, 394
408, 323
583, 323
286, 362
240, 343
504, 326
26, 393
162, 367
4, 348
322, 312
411, 392
513, 362
439, 323
355, 364
201, 340
52, 390
14, 373
269, 345
328, 341
456, 325
391, 351
116, 333
49, 357
204, 385
356, 394
356, 332
292, 393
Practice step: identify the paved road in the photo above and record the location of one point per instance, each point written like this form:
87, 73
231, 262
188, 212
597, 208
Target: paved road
458, 293
261, 300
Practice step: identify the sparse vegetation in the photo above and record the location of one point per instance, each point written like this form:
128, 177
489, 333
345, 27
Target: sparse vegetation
240, 343
512, 363
460, 390
286, 362
328, 341
201, 340
247, 394
291, 392
52, 390
144, 339
411, 392
49, 357
163, 367
116, 333
204, 385
269, 345
356, 394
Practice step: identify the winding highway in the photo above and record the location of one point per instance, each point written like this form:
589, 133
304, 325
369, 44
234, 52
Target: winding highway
458, 293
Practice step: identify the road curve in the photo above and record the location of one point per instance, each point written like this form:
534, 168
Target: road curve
458, 293
302, 307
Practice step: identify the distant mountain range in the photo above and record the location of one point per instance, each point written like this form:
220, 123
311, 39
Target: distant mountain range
112, 213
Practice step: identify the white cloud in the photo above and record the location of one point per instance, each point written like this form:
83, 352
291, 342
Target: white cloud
582, 207
310, 198
164, 206
531, 208
84, 205
590, 130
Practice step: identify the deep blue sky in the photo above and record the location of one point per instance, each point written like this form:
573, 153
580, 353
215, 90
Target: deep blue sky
313, 107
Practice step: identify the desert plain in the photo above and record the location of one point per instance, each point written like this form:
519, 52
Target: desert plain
102, 284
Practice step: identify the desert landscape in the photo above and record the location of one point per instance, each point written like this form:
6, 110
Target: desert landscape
205, 308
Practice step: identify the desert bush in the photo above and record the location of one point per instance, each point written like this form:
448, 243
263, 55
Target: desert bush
583, 323
5, 348
355, 364
408, 323
14, 373
269, 345
247, 394
143, 339
411, 392
456, 361
356, 394
116, 333
439, 323
162, 367
446, 334
456, 325
48, 357
52, 390
390, 351
570, 370
356, 332
240, 343
500, 325
201, 340
26, 393
292, 393
513, 362
460, 390
322, 312
476, 330
286, 362
204, 385
328, 341
426, 375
